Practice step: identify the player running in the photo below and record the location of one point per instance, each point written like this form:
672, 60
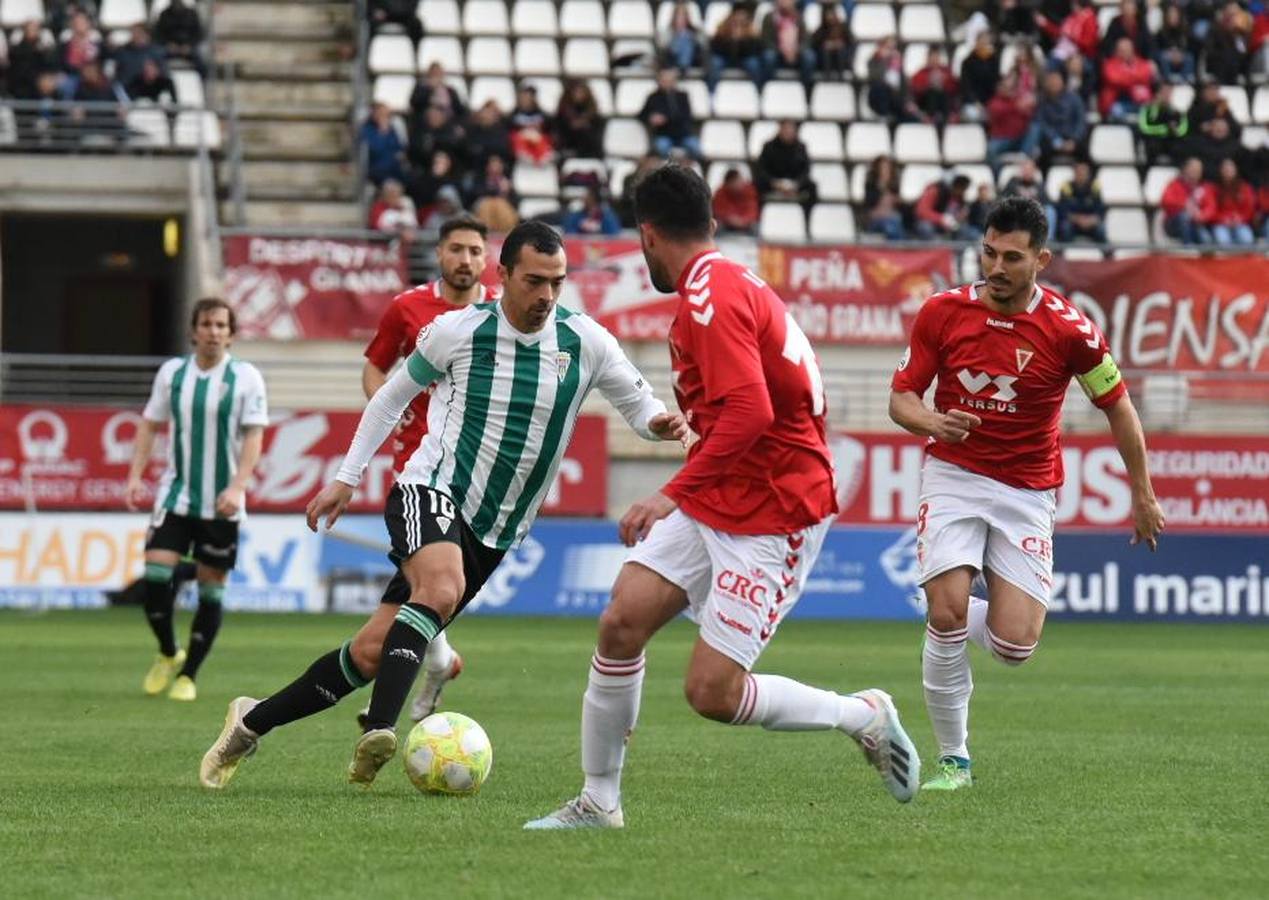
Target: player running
735, 533
1004, 350
510, 378
460, 252
217, 408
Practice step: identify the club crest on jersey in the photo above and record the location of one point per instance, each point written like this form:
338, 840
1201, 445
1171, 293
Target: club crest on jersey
1023, 357
423, 333
563, 359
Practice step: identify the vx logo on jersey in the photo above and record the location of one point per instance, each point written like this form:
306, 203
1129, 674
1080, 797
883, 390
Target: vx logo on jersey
977, 382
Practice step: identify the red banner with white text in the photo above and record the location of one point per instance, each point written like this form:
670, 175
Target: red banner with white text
1203, 483
67, 458
310, 288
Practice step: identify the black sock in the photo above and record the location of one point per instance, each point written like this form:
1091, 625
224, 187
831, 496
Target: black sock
403, 651
202, 633
327, 681
159, 600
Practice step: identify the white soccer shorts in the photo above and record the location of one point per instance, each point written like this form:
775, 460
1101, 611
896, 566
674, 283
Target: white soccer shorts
966, 519
739, 586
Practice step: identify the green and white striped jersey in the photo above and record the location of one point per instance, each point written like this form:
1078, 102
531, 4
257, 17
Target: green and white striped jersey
502, 412
209, 411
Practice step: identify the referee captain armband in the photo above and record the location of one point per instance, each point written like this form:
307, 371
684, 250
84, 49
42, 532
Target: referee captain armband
1101, 379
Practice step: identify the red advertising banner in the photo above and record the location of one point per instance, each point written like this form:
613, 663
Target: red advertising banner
855, 295
283, 288
1175, 313
64, 458
1203, 483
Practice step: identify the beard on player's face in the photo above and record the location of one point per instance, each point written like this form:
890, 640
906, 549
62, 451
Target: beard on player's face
460, 277
656, 269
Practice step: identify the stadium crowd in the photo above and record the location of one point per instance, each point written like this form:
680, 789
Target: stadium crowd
1036, 76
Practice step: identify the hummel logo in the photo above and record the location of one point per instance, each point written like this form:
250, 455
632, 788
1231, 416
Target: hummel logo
1000, 323
404, 653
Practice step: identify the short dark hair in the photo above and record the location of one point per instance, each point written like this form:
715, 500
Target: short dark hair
675, 201
207, 304
538, 235
463, 223
1020, 214
960, 183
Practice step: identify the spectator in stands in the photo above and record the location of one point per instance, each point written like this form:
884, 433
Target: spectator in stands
667, 114
1162, 126
625, 202
933, 96
93, 87
1029, 183
132, 56
29, 58
579, 128
1258, 44
943, 211
58, 13
403, 13
1081, 212
1209, 104
736, 206
426, 185
179, 29
883, 211
737, 45
498, 214
1186, 203
152, 84
979, 208
385, 145
1009, 116
394, 212
1263, 204
1075, 37
82, 47
1226, 53
885, 80
1126, 83
448, 205
1060, 121
41, 122
1081, 78
680, 41
831, 42
595, 217
1174, 47
783, 170
1128, 24
1233, 207
491, 181
530, 128
1218, 143
439, 131
488, 135
785, 44
433, 90
980, 74
1028, 64
1012, 18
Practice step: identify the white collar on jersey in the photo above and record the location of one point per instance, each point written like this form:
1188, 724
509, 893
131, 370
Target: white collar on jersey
1031, 307
700, 261
481, 296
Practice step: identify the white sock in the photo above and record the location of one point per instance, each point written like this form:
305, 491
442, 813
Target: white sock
610, 709
948, 685
439, 655
976, 622
782, 704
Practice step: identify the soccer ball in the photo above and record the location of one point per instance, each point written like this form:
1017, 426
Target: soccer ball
448, 753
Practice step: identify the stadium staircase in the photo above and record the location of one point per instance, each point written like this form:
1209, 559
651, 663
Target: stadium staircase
287, 72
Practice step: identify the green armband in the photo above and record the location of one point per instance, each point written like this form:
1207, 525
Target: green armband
1101, 379
422, 371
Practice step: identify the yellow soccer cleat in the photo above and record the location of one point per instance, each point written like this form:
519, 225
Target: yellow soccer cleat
236, 743
183, 689
162, 673
373, 750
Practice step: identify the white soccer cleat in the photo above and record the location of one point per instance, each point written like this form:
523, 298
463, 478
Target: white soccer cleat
888, 747
236, 743
577, 813
372, 752
429, 696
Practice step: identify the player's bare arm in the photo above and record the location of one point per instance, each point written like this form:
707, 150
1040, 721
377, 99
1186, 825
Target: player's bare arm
372, 378
1147, 515
135, 493
231, 498
910, 413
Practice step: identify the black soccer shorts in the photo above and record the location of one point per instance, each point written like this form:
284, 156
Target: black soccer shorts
214, 541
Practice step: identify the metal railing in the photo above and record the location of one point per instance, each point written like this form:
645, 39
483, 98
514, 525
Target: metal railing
71, 126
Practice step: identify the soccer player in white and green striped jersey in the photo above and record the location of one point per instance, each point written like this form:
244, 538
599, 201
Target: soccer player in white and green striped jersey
509, 378
217, 409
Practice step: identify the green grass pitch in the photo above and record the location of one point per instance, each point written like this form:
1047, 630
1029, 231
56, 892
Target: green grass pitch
1123, 761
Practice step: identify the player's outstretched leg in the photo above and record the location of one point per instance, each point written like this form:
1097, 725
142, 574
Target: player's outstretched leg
235, 743
160, 598
202, 634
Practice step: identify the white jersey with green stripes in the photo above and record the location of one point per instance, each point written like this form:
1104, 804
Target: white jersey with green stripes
208, 411
504, 407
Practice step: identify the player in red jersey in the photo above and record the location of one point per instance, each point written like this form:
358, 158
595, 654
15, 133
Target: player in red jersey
460, 253
1004, 351
735, 533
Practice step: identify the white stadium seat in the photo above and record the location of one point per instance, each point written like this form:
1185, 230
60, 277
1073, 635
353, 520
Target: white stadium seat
915, 178
1112, 144
585, 57
601, 89
830, 178
1120, 185
833, 101
631, 95
549, 91
1260, 107
394, 90
698, 95
390, 53
964, 144
916, 142
631, 19
582, 18
1127, 225
1182, 97
1157, 180
812, 16
497, 88
440, 16
736, 100
189, 88
1057, 176
914, 57
534, 18
978, 174
632, 52
760, 133
1236, 97
867, 140
718, 171
723, 139
148, 128
448, 51
193, 128
535, 181
784, 100
872, 21
858, 177
485, 17
537, 56
121, 13
489, 56
832, 222
625, 137
618, 171
14, 13
823, 141
922, 22
863, 52
532, 207
715, 12
782, 223
1255, 137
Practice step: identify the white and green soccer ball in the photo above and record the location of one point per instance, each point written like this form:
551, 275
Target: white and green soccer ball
448, 753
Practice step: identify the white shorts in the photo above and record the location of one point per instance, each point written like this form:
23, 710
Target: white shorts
966, 519
739, 586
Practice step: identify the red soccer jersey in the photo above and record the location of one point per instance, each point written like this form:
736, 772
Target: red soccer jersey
733, 334
398, 330
1010, 371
